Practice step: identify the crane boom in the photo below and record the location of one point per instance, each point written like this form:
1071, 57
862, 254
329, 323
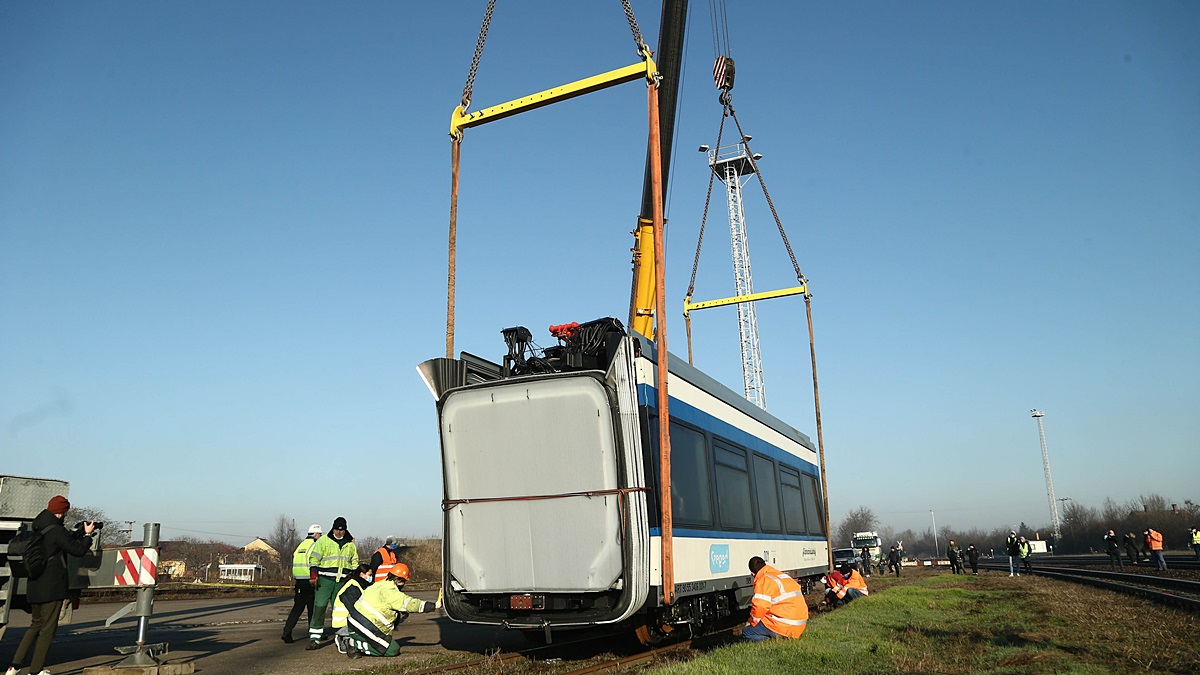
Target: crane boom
669, 59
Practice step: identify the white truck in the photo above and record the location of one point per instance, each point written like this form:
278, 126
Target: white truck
21, 500
869, 541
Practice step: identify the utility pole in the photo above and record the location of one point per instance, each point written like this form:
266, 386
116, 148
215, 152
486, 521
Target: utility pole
935, 541
1038, 415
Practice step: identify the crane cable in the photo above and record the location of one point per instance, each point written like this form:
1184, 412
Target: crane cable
455, 153
723, 72
456, 148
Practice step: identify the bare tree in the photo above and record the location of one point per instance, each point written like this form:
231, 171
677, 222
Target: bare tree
861, 519
283, 539
367, 547
110, 534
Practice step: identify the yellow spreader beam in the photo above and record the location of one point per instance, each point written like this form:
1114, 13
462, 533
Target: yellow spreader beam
460, 119
688, 305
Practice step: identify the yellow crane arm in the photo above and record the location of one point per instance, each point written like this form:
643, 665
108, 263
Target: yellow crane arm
688, 305
460, 119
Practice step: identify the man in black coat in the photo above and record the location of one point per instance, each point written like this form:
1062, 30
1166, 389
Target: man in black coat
47, 593
1112, 546
894, 560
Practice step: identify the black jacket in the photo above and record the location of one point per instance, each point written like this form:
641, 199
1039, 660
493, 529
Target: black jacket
1112, 544
1010, 545
52, 586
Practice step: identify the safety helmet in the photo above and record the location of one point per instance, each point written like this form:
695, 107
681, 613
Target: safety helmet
314, 529
399, 570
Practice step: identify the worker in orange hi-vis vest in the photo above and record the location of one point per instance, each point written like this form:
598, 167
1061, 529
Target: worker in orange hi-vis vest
384, 559
778, 608
1155, 539
856, 585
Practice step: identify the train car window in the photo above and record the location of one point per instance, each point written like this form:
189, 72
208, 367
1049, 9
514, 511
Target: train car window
812, 505
793, 500
733, 487
767, 493
691, 502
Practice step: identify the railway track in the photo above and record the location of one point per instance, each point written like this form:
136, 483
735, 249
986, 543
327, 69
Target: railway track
1174, 562
1168, 590
535, 660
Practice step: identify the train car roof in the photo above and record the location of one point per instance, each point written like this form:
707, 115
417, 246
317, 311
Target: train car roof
683, 369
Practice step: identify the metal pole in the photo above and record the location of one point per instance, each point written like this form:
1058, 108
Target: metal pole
145, 594
660, 339
812, 353
1038, 415
935, 541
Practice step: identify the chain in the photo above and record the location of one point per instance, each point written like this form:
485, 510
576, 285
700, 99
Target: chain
763, 183
704, 218
633, 27
483, 31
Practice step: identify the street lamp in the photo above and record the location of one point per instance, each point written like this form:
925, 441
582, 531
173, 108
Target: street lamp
935, 543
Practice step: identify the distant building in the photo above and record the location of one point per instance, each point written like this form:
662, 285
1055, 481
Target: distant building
260, 545
240, 572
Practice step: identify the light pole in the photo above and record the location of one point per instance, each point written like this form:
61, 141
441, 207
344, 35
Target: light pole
935, 543
1038, 415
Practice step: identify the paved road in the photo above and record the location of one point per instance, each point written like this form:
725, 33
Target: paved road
240, 636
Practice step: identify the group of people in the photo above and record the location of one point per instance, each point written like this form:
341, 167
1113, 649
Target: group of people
778, 608
959, 558
368, 598
1020, 553
1151, 544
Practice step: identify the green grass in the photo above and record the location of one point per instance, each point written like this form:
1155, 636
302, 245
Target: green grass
954, 624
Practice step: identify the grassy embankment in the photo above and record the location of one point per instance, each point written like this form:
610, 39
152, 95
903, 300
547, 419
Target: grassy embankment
942, 623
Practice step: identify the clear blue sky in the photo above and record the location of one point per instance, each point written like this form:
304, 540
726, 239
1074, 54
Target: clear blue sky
223, 243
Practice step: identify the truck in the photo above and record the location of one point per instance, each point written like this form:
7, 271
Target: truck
21, 500
869, 541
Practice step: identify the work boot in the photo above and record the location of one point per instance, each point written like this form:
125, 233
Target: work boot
287, 638
352, 652
312, 644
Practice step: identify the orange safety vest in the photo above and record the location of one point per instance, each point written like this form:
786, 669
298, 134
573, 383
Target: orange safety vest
1155, 539
778, 603
833, 581
387, 562
856, 580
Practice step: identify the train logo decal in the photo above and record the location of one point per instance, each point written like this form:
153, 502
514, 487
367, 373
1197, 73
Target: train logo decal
718, 558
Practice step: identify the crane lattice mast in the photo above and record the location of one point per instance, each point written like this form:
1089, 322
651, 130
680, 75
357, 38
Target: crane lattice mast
1038, 415
733, 166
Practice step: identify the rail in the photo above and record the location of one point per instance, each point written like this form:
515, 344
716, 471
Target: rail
1145, 585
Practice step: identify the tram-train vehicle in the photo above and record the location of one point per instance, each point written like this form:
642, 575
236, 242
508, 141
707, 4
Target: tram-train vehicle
551, 501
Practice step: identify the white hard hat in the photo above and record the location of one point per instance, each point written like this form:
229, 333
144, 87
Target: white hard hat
314, 529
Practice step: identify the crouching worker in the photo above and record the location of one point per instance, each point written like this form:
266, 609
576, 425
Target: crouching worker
346, 596
856, 585
836, 590
373, 617
778, 608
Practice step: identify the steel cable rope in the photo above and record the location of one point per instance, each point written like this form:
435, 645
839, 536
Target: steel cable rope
670, 193
719, 27
770, 202
455, 154
687, 317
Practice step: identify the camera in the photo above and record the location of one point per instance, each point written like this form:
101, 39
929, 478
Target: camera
99, 525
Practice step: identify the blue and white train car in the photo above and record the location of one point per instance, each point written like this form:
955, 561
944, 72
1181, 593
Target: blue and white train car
550, 469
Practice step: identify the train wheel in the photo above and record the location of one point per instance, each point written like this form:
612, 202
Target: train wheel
652, 634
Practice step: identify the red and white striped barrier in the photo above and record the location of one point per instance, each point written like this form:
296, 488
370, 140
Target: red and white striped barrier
136, 567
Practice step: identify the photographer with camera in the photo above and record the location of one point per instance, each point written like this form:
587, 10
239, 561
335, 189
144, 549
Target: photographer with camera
47, 592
